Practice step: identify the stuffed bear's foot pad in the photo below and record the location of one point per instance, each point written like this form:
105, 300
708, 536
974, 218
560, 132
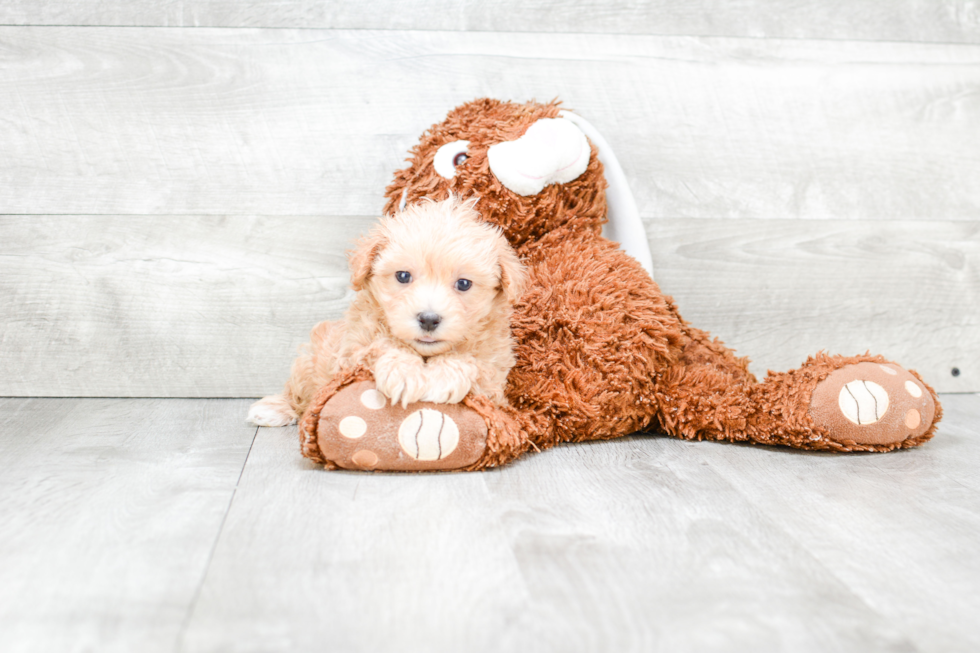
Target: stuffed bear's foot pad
360, 429
872, 404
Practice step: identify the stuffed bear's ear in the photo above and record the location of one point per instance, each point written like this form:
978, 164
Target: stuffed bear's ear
512, 275
361, 258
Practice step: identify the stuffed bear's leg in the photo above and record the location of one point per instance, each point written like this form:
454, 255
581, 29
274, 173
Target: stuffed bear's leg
603, 353
350, 425
858, 403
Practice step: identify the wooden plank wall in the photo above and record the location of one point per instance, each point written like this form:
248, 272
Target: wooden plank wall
941, 21
175, 200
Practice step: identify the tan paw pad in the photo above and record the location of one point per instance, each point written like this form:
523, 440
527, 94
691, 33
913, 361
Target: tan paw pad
365, 458
912, 418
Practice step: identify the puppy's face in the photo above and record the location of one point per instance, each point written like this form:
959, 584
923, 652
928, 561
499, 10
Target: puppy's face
433, 296
438, 273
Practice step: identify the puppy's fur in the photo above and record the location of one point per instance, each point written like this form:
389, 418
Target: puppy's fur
426, 339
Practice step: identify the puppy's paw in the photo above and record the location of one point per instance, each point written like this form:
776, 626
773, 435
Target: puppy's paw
273, 410
400, 377
448, 381
404, 386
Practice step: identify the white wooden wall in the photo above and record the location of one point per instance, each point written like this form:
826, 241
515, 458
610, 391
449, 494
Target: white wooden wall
179, 180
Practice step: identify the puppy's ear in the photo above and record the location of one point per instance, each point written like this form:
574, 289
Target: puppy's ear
512, 275
361, 258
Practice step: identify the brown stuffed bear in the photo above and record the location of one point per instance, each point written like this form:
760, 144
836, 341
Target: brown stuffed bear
601, 351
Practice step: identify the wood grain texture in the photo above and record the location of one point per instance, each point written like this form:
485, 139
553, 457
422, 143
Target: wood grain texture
314, 122
638, 544
117, 536
163, 305
900, 531
216, 306
952, 21
110, 512
778, 291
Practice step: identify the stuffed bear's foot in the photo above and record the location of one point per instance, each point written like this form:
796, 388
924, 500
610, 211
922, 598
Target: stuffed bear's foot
877, 404
360, 429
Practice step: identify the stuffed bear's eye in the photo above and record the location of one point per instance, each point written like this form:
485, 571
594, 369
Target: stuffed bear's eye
463, 285
449, 156
403, 277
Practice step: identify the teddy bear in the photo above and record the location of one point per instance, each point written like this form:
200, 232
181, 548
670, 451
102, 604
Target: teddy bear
601, 352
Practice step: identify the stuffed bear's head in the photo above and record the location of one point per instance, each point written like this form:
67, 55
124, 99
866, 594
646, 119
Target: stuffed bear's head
532, 170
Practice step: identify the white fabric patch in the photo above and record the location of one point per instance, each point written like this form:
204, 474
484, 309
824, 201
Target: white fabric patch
889, 370
913, 389
428, 434
863, 402
373, 399
551, 151
624, 226
352, 427
445, 159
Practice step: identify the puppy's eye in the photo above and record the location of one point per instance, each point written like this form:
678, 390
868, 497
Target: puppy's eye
449, 156
403, 277
463, 285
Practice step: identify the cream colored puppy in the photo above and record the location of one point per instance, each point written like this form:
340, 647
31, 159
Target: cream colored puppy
430, 319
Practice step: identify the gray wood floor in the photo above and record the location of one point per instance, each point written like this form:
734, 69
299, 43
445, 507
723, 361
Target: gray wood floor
170, 525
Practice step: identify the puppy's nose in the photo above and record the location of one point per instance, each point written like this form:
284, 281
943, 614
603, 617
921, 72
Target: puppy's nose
429, 320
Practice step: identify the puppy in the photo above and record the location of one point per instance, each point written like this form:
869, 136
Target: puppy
430, 318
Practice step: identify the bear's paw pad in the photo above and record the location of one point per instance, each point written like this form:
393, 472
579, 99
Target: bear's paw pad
872, 404
360, 429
